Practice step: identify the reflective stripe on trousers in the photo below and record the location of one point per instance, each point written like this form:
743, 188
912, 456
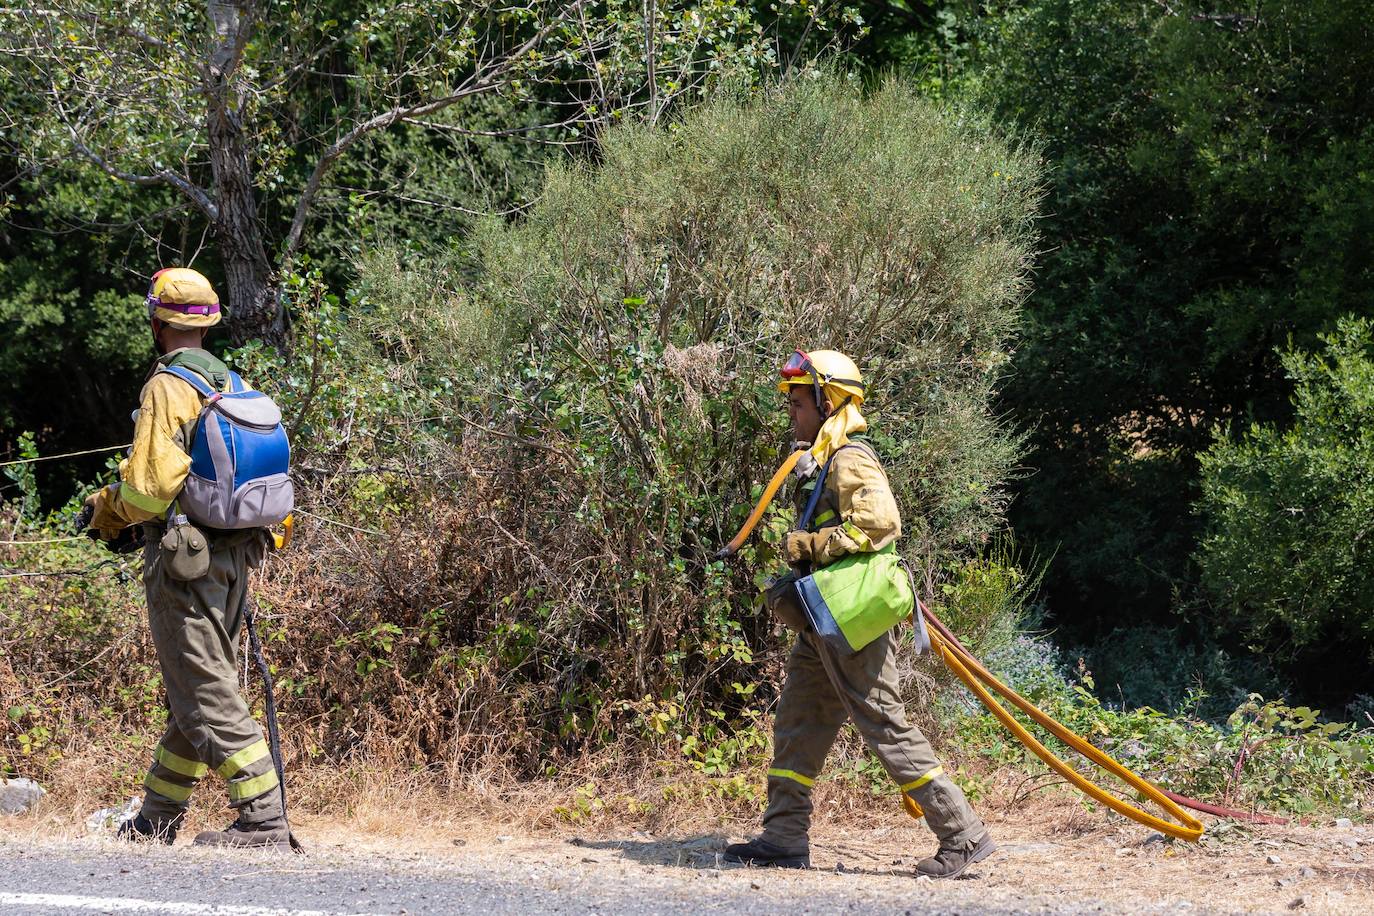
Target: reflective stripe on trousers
823, 691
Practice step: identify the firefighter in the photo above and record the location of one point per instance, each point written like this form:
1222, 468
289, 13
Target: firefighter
195, 616
855, 513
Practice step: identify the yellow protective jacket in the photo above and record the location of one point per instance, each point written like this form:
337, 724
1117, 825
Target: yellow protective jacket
153, 474
856, 512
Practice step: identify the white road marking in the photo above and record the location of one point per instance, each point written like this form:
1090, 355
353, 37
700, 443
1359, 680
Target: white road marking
134, 905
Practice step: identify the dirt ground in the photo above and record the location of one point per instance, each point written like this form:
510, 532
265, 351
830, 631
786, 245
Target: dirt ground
1058, 857
1040, 866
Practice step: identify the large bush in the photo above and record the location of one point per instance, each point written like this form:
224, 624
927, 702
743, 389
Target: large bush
540, 440
1287, 553
655, 293
661, 289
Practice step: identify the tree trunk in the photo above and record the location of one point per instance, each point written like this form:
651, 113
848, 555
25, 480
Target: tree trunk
254, 299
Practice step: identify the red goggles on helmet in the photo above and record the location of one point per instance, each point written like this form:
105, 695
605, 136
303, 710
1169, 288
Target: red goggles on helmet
797, 365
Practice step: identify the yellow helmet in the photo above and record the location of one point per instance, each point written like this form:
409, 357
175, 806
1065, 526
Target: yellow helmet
828, 371
183, 298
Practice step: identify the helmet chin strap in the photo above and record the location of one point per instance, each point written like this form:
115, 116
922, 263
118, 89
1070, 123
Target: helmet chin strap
826, 411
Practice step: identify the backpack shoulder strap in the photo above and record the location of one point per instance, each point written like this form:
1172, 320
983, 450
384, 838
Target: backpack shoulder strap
863, 444
236, 384
191, 378
804, 523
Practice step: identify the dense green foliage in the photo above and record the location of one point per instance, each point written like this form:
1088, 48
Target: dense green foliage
1290, 510
1210, 186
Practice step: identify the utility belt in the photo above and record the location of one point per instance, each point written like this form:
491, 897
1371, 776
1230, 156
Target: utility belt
218, 537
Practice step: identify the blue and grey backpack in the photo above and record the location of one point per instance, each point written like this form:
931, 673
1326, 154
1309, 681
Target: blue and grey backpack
240, 458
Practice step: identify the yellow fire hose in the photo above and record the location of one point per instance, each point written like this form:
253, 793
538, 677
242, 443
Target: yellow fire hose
769, 492
969, 670
283, 540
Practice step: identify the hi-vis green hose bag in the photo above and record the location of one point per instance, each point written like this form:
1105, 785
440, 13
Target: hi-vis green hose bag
858, 598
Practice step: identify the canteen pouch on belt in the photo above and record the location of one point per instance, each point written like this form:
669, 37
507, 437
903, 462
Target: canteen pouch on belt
185, 550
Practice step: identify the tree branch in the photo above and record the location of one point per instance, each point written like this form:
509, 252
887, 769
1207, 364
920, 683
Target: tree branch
195, 194
118, 29
483, 79
505, 132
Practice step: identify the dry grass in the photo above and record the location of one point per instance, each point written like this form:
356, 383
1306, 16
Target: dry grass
640, 794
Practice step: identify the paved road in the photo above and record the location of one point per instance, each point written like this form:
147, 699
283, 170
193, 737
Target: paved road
99, 876
864, 869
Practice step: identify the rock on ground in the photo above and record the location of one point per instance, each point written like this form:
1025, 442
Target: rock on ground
19, 796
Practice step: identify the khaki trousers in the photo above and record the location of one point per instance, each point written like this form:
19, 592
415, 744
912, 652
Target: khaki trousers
195, 628
822, 690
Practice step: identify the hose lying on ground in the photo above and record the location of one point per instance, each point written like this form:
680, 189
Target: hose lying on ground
969, 670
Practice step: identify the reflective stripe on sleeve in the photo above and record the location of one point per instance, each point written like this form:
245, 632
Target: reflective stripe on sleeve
141, 501
178, 764
176, 793
858, 536
248, 789
792, 775
240, 759
917, 783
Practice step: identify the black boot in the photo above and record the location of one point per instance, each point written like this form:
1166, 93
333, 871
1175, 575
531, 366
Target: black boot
139, 829
763, 854
268, 834
953, 861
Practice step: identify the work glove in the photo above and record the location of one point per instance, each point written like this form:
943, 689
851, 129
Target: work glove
798, 548
86, 517
806, 465
129, 540
117, 540
82, 524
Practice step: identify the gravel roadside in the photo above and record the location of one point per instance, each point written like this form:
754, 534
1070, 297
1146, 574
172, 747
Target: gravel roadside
1115, 869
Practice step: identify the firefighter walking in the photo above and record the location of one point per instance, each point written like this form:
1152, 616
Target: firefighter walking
854, 513
196, 579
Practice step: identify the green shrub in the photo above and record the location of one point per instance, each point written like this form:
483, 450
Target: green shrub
1181, 663
657, 293
1287, 554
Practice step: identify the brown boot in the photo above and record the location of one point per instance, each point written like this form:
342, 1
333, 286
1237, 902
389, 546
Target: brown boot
952, 861
269, 834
